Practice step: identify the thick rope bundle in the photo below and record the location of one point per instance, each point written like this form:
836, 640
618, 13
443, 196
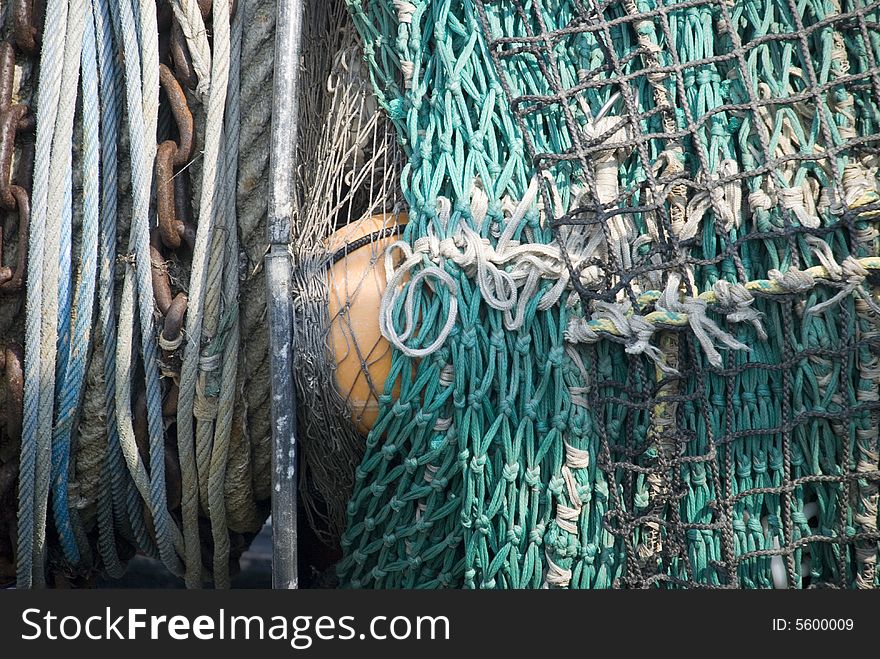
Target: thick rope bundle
93, 490
635, 337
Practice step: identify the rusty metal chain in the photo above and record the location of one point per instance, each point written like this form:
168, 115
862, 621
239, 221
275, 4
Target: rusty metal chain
175, 225
179, 51
17, 125
15, 118
27, 19
175, 228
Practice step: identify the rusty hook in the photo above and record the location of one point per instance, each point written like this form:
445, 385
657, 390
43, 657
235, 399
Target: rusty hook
11, 360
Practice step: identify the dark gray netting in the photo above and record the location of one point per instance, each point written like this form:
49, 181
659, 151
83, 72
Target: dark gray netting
735, 149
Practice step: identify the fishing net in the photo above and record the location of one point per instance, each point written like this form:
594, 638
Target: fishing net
347, 208
632, 313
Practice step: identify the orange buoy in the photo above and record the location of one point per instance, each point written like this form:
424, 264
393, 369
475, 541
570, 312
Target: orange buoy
356, 283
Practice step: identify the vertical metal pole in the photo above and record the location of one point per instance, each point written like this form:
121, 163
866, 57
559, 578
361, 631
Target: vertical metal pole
285, 118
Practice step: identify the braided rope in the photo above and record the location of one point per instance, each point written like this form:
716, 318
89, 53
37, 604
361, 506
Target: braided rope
217, 500
36, 429
110, 498
253, 439
189, 17
72, 373
142, 117
792, 281
208, 206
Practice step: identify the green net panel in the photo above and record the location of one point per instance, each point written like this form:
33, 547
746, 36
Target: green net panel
633, 311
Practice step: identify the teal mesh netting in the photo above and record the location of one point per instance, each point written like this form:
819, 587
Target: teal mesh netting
633, 316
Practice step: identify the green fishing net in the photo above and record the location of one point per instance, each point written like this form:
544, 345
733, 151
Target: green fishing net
633, 310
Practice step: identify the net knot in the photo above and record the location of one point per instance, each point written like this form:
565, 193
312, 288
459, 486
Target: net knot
533, 477
576, 458
704, 328
405, 11
793, 280
443, 424
536, 535
849, 275
792, 199
857, 184
738, 299
760, 200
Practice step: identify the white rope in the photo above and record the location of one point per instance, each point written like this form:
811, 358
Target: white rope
508, 274
704, 328
138, 35
850, 274
725, 199
40, 375
208, 206
191, 23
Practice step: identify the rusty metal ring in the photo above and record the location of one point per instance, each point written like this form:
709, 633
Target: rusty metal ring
11, 360
27, 17
172, 328
173, 308
15, 281
182, 115
183, 66
172, 229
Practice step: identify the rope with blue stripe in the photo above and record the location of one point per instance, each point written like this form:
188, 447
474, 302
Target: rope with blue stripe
137, 45
36, 431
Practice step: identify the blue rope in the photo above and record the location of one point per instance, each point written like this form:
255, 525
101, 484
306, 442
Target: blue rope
142, 149
127, 504
110, 499
48, 95
63, 377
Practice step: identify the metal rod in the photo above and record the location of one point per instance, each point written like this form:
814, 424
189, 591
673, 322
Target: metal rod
285, 117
